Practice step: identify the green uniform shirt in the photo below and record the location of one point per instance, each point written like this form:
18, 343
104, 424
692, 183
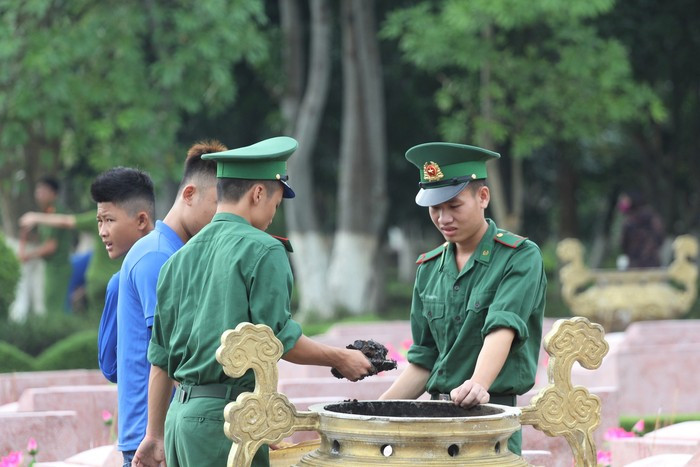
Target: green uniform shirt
230, 272
502, 285
101, 267
58, 267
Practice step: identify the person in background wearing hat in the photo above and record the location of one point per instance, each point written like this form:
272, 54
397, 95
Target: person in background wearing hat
232, 272
193, 208
478, 299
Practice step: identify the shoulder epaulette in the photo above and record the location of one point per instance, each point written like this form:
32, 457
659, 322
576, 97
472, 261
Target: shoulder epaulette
432, 254
285, 241
509, 239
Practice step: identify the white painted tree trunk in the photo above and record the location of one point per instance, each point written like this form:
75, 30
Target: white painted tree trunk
310, 263
355, 273
351, 278
302, 107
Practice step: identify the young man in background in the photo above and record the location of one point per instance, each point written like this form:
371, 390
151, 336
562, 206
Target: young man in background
193, 208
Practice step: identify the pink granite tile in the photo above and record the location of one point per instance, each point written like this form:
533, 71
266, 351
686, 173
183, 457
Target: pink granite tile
103, 456
627, 450
369, 388
87, 402
12, 385
665, 460
538, 458
56, 433
682, 431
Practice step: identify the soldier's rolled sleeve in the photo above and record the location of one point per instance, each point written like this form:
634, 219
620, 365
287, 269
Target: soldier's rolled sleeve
270, 296
423, 352
517, 295
157, 355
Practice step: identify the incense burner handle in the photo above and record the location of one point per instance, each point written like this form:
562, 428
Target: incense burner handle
263, 416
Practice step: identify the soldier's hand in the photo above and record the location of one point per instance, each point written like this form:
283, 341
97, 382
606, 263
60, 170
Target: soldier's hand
469, 394
151, 453
28, 220
353, 364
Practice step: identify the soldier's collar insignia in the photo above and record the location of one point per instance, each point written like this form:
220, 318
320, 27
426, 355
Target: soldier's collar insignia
432, 172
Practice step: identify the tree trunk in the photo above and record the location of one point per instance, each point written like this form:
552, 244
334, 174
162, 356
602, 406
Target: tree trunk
566, 184
304, 112
362, 200
503, 215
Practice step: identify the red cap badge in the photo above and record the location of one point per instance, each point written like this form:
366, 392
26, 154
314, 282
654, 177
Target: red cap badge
432, 172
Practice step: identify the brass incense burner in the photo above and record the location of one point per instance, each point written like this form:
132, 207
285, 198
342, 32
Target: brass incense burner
409, 432
617, 298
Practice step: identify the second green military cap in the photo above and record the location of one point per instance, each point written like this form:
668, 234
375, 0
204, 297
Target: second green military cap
446, 169
266, 160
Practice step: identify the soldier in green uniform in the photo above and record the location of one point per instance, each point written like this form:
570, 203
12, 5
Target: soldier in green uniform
478, 299
55, 247
230, 272
101, 267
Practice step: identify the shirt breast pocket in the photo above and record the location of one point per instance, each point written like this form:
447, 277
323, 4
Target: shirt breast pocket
477, 309
434, 314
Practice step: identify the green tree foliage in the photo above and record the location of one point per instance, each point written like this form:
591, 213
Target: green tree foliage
9, 276
552, 77
111, 82
663, 39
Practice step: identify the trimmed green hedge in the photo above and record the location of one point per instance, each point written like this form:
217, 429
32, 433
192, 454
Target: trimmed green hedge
9, 276
13, 359
654, 422
76, 351
38, 333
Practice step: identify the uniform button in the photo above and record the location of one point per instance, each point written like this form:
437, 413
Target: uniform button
440, 372
485, 252
455, 288
477, 305
430, 314
458, 318
499, 235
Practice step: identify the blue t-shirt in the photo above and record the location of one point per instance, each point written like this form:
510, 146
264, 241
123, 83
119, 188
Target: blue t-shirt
135, 308
107, 336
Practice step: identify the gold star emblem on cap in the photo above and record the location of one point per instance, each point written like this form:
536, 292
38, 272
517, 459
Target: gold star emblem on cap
432, 172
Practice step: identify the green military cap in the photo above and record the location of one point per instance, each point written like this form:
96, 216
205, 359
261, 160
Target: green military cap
446, 169
266, 160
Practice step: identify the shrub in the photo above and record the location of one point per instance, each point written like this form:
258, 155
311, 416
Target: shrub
13, 359
9, 276
654, 422
38, 333
76, 351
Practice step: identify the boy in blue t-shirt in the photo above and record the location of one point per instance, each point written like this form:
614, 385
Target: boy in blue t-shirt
125, 212
193, 208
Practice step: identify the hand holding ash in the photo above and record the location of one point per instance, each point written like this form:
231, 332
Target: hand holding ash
375, 353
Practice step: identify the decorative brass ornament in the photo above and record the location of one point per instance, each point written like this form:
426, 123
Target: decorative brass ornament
263, 416
561, 409
266, 416
616, 298
432, 172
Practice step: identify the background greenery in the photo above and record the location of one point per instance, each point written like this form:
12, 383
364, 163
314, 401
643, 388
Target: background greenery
582, 99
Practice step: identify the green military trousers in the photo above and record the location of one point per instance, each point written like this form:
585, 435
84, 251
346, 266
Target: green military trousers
194, 435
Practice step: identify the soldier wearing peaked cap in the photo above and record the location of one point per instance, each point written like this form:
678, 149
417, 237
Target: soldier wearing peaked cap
231, 272
478, 299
